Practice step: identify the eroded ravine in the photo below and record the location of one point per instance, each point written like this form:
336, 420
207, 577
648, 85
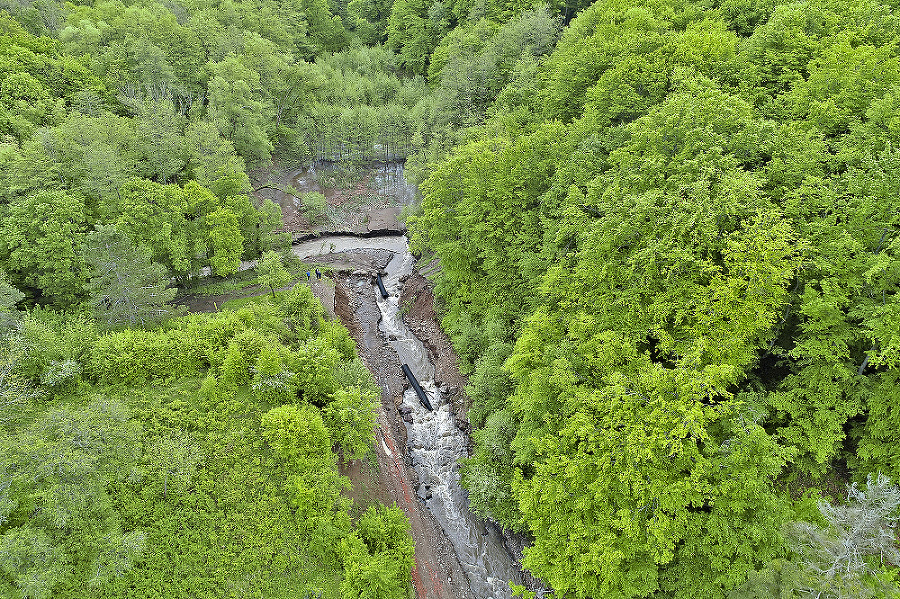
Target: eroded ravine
434, 442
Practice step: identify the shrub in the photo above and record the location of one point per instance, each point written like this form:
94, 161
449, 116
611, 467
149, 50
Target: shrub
297, 434
314, 364
314, 206
338, 338
52, 338
378, 560
273, 380
350, 416
300, 309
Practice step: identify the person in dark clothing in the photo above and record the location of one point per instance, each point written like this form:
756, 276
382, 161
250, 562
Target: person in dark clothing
318, 274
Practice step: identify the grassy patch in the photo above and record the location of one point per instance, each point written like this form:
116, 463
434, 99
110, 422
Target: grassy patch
239, 302
209, 286
230, 531
240, 281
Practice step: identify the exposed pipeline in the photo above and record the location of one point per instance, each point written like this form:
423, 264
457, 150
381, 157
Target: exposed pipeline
381, 288
417, 387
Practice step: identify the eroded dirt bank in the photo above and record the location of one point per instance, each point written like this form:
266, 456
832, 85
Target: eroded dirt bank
455, 554
421, 318
365, 204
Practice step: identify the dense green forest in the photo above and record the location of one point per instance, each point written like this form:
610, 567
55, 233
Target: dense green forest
668, 235
670, 262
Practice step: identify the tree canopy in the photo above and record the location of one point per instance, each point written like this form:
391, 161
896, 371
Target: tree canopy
667, 245
667, 261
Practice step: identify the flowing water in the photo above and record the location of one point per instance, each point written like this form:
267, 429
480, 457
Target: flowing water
435, 443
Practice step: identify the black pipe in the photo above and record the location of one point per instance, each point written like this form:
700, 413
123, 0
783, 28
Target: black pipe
415, 385
384, 292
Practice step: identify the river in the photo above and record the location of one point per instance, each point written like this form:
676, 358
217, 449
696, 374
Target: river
434, 442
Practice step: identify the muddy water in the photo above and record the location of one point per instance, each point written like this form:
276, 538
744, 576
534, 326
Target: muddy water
435, 444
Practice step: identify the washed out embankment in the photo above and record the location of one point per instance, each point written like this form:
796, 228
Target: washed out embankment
368, 204
433, 440
416, 449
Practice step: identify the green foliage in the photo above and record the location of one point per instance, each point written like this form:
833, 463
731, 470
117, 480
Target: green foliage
9, 295
354, 373
314, 205
412, 34
152, 214
237, 108
378, 558
30, 559
488, 474
170, 462
134, 490
300, 309
473, 63
41, 238
51, 341
133, 356
350, 418
39, 81
668, 259
296, 434
16, 393
685, 291
61, 466
338, 338
273, 380
125, 287
313, 364
778, 579
224, 240
490, 385
272, 272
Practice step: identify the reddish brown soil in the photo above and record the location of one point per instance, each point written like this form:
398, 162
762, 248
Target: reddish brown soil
418, 299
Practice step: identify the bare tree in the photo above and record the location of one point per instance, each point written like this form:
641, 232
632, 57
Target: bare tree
844, 558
